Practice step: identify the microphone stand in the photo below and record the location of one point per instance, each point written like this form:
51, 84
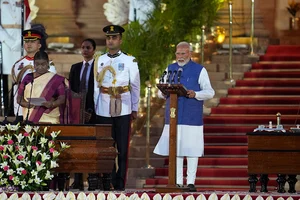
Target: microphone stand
5, 121
168, 77
1, 82
28, 108
173, 78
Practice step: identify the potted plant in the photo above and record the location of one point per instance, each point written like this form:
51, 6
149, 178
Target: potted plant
27, 157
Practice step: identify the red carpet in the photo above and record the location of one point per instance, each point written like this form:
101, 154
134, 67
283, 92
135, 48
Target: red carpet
268, 88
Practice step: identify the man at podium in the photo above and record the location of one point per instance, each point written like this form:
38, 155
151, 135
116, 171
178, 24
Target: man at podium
190, 140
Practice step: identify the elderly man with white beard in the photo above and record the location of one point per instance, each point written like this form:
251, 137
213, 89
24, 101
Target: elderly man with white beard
190, 139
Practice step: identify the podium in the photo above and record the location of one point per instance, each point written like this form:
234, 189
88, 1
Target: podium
173, 91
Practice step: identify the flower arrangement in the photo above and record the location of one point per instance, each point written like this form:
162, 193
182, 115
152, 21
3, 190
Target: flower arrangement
27, 157
293, 8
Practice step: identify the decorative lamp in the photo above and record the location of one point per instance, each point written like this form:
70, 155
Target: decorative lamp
219, 33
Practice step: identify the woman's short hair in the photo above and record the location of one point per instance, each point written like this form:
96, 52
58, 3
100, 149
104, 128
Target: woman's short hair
41, 55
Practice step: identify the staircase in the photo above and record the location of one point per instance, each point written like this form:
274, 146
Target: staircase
258, 95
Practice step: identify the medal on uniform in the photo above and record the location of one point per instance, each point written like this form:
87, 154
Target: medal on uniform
21, 66
121, 67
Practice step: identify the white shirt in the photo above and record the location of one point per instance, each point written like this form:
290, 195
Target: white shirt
127, 73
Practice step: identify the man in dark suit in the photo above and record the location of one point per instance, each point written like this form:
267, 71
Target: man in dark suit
81, 79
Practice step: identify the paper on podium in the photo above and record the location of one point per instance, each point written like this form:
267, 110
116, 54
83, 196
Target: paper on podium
37, 101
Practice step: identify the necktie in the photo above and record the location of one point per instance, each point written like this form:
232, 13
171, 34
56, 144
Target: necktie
83, 78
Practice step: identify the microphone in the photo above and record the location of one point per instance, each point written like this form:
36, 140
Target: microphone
5, 121
28, 108
173, 77
162, 78
179, 74
168, 76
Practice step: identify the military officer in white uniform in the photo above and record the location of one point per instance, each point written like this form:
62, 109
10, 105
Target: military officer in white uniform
116, 96
10, 32
25, 65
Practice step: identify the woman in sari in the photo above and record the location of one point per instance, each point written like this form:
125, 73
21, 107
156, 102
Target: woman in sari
49, 88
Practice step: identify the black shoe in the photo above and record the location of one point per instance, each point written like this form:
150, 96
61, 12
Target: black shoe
192, 188
179, 185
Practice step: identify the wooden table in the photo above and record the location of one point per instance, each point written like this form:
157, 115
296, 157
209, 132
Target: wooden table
273, 153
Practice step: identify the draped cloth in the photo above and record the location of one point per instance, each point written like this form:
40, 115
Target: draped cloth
50, 86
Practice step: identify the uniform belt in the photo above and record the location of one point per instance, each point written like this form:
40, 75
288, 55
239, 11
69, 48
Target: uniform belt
114, 90
11, 26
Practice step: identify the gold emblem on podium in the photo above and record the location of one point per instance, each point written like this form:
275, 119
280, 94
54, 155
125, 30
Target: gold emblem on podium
172, 112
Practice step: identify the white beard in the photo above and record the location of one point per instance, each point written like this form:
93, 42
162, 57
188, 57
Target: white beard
182, 63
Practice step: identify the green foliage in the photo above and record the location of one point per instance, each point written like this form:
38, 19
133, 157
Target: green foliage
153, 42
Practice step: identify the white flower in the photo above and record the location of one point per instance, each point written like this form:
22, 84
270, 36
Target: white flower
2, 128
48, 175
45, 129
56, 154
36, 128
15, 127
45, 156
35, 153
28, 128
10, 148
117, 11
3, 164
19, 137
3, 181
28, 148
1, 137
8, 126
31, 137
19, 170
34, 173
10, 172
53, 164
40, 167
30, 180
64, 145
16, 180
16, 162
54, 134
37, 180
23, 184
43, 141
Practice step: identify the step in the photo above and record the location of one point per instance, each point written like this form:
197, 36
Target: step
271, 74
208, 139
204, 182
263, 91
268, 83
209, 151
218, 162
287, 57
248, 120
257, 110
259, 100
222, 128
220, 67
283, 49
209, 172
277, 66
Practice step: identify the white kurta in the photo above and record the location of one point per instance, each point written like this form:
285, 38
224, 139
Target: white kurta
190, 139
127, 73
